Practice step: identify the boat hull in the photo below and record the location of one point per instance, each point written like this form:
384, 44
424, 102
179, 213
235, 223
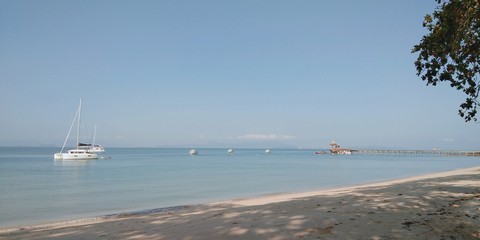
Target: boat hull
75, 156
193, 152
97, 150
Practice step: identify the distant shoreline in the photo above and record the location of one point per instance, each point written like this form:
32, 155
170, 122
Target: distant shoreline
263, 148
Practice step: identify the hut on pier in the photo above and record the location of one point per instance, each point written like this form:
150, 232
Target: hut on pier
336, 149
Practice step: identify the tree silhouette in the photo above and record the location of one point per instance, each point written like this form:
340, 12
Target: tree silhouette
450, 51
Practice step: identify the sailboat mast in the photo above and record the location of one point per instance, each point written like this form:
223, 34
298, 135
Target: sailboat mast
94, 135
78, 124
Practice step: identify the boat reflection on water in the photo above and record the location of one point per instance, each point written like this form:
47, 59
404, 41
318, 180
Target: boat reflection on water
73, 163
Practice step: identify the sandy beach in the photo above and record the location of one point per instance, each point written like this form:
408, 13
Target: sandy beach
436, 206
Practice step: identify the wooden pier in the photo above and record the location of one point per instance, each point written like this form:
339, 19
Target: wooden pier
417, 152
336, 149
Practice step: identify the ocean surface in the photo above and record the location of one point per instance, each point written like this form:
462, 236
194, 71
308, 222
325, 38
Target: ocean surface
35, 189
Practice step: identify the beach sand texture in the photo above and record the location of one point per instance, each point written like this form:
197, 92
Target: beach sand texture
435, 206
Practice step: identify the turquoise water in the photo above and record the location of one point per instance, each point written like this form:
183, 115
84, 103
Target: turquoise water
36, 189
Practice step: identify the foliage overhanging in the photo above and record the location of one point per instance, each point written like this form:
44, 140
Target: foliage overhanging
450, 52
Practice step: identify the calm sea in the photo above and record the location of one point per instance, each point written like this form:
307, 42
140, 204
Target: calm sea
35, 189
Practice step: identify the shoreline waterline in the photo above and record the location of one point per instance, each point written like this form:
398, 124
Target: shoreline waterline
36, 190
257, 200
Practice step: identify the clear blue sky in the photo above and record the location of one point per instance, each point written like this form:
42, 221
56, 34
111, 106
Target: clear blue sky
223, 74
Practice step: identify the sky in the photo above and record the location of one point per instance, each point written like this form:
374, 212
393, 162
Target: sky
240, 74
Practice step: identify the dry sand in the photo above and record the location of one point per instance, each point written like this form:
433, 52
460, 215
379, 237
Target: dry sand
436, 206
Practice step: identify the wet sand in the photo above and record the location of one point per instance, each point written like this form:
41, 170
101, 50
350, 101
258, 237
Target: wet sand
436, 206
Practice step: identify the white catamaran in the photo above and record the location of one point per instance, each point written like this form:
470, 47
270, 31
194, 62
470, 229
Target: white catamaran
79, 153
